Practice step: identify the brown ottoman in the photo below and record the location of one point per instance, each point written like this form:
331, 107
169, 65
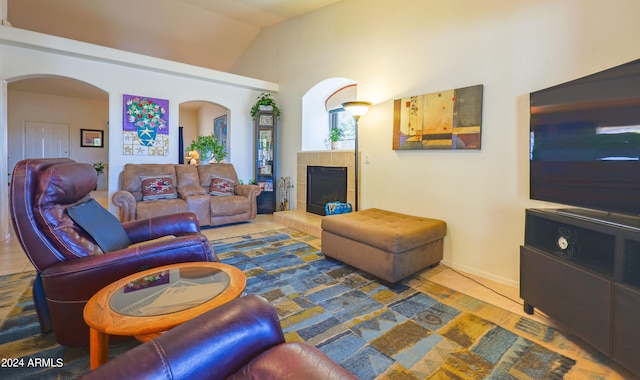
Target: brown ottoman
388, 245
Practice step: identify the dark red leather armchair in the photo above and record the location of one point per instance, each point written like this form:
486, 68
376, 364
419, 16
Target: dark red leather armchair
239, 340
70, 266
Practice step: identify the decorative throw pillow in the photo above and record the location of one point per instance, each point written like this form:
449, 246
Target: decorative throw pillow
102, 225
221, 186
158, 187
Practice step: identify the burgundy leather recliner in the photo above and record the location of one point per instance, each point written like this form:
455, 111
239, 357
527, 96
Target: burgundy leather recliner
239, 340
70, 265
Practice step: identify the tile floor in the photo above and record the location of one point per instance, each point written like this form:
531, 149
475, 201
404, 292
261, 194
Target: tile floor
13, 259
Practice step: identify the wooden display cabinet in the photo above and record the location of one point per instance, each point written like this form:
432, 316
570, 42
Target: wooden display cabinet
266, 162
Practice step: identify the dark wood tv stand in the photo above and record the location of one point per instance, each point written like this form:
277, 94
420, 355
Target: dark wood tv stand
582, 268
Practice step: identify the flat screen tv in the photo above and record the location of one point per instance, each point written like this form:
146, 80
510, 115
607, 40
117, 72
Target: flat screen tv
585, 141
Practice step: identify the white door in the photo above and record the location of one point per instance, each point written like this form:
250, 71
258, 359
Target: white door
45, 140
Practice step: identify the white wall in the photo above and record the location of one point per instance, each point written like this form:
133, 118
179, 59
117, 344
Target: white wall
397, 49
27, 53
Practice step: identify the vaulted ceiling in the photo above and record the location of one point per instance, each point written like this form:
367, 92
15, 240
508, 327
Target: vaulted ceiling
207, 33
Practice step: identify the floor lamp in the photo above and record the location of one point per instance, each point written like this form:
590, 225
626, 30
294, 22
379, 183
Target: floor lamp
357, 109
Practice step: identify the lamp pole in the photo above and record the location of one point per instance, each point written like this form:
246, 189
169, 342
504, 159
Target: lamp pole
357, 109
356, 118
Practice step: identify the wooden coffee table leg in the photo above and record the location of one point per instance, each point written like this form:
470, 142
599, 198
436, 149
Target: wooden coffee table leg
98, 348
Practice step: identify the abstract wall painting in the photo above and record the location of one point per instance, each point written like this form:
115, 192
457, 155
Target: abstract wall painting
449, 119
145, 126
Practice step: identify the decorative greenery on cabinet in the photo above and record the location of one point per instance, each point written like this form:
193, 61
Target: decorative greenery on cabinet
265, 100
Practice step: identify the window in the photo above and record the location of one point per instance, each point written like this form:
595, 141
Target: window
340, 119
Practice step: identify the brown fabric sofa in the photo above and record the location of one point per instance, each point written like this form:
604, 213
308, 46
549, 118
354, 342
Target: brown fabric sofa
192, 185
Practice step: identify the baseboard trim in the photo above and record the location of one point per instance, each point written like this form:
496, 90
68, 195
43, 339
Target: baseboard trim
488, 276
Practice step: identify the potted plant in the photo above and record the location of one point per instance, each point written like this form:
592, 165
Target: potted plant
335, 135
265, 100
219, 151
208, 146
99, 166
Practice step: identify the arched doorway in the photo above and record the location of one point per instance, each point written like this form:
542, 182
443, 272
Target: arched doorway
41, 101
47, 117
202, 118
315, 118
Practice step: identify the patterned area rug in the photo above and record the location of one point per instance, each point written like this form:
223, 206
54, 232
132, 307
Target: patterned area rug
417, 330
25, 354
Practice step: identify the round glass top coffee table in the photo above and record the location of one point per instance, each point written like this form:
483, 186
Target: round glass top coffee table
147, 303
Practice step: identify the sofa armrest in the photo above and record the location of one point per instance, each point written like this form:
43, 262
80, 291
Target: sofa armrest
127, 204
250, 191
214, 345
152, 228
81, 278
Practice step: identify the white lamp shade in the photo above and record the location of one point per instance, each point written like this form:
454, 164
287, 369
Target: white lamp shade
357, 109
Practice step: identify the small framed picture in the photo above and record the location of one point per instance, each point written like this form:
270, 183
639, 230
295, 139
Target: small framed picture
91, 138
266, 120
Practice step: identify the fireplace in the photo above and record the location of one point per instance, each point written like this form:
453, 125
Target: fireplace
325, 184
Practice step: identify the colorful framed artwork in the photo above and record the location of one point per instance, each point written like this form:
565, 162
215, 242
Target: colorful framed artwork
145, 126
449, 119
91, 138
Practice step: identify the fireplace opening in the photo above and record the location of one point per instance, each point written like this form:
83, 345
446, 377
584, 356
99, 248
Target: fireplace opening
325, 184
